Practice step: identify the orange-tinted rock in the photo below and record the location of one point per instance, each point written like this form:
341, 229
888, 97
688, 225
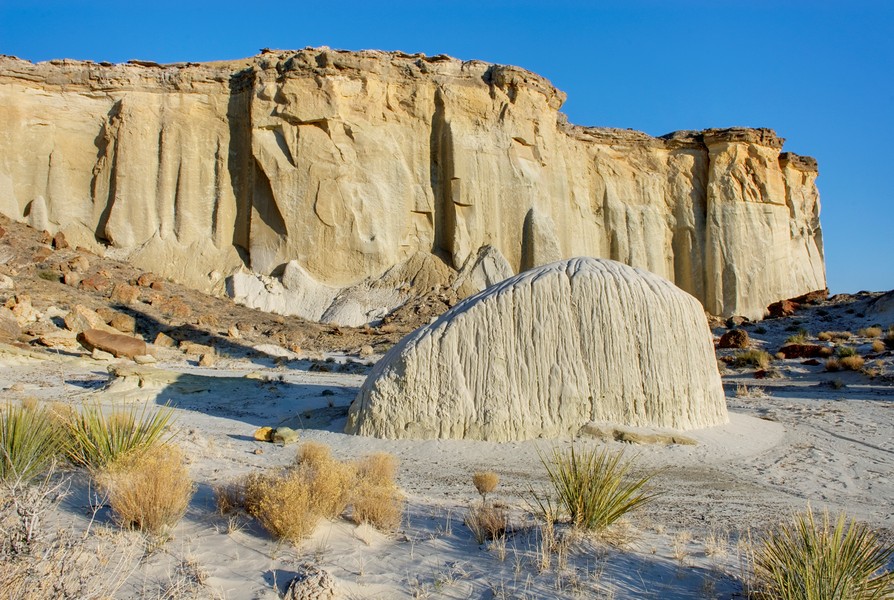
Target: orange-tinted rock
114, 343
124, 293
59, 242
96, 283
814, 297
783, 308
734, 338
803, 350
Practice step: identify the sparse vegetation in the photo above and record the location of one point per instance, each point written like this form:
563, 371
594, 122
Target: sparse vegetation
846, 351
799, 338
593, 487
376, 499
751, 358
812, 559
30, 441
148, 490
743, 391
871, 332
486, 521
97, 439
852, 363
834, 336
833, 364
282, 501
878, 346
485, 482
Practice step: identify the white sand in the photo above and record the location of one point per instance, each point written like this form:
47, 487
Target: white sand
799, 443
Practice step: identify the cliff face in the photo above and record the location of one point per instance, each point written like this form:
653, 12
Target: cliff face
352, 163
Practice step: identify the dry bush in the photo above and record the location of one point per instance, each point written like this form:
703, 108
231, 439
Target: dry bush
282, 501
486, 522
751, 358
870, 332
331, 487
834, 336
314, 454
485, 482
148, 490
852, 363
229, 497
845, 351
743, 391
798, 338
833, 364
878, 346
376, 499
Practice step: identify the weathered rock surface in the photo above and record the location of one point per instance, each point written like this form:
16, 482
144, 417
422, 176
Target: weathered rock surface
351, 163
734, 338
546, 352
116, 344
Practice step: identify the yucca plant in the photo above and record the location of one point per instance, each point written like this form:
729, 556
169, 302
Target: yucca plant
809, 559
97, 439
30, 441
593, 487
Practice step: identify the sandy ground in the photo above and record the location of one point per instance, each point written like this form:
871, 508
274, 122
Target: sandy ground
808, 436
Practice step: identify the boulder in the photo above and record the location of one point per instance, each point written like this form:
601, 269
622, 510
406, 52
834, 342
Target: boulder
804, 351
783, 308
734, 338
81, 318
545, 352
9, 326
124, 293
6, 282
311, 583
113, 343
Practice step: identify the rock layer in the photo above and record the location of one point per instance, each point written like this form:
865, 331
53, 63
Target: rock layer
352, 163
546, 352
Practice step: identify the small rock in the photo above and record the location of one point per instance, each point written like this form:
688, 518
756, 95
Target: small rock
264, 434
233, 332
78, 264
311, 583
146, 279
158, 286
206, 360
106, 313
736, 321
18, 386
43, 253
734, 338
81, 318
783, 308
123, 323
163, 340
124, 293
804, 351
59, 339
96, 283
285, 436
9, 326
366, 350
6, 282
22, 309
71, 278
257, 451
208, 320
45, 237
98, 354
811, 362
115, 343
2, 232
195, 348
144, 359
59, 242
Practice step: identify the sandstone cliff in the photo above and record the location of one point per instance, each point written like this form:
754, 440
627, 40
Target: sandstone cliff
352, 163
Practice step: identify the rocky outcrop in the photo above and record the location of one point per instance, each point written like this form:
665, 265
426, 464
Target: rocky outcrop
546, 352
352, 163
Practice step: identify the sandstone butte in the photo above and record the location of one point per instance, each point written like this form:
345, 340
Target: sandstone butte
354, 163
545, 353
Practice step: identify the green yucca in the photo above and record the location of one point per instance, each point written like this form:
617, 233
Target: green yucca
751, 358
30, 440
826, 560
98, 439
593, 486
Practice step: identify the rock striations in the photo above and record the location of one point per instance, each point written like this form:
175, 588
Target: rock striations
546, 352
352, 163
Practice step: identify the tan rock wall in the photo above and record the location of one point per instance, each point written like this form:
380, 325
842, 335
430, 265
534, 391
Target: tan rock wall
351, 163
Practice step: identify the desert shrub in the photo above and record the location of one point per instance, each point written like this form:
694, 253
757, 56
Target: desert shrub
870, 332
148, 490
799, 338
878, 346
835, 336
486, 521
811, 559
30, 441
485, 482
282, 501
48, 275
314, 454
845, 351
833, 364
229, 497
593, 486
852, 363
97, 440
751, 358
376, 499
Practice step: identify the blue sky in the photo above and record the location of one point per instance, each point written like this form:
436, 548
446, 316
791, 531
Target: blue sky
820, 73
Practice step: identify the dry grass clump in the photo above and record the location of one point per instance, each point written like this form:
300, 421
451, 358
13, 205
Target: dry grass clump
289, 502
97, 439
852, 363
845, 351
485, 482
30, 441
593, 487
799, 338
834, 336
811, 559
833, 364
486, 521
878, 346
870, 332
743, 391
376, 499
148, 490
751, 358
